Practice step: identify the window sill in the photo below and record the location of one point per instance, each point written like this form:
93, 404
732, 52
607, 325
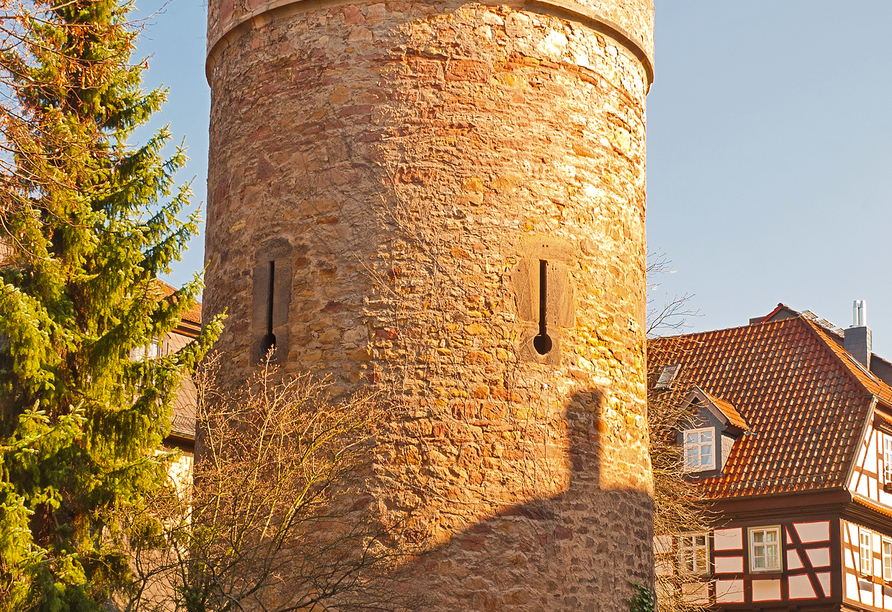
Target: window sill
699, 469
873, 579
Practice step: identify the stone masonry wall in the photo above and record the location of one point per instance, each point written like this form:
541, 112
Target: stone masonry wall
409, 166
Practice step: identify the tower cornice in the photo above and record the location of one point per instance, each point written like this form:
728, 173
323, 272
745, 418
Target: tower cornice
570, 10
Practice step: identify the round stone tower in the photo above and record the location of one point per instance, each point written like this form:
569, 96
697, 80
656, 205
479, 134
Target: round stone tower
445, 201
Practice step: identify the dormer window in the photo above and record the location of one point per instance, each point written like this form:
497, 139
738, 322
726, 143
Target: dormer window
711, 430
699, 449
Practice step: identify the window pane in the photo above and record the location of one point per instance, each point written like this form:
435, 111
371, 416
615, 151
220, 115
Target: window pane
758, 561
700, 559
887, 560
771, 559
866, 552
693, 553
887, 552
887, 458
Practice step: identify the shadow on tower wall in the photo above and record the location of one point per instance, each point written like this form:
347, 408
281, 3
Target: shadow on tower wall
576, 549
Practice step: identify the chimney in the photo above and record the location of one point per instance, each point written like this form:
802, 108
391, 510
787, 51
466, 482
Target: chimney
857, 337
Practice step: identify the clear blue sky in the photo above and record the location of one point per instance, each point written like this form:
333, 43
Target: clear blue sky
769, 151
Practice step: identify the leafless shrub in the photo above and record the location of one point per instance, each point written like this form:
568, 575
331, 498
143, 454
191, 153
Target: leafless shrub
277, 518
679, 507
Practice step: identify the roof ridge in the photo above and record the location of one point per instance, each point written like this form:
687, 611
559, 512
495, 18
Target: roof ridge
848, 364
689, 335
780, 306
822, 322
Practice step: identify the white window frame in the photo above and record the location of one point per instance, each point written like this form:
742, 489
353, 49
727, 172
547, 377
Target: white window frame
887, 458
765, 544
667, 376
865, 552
887, 559
688, 446
151, 350
693, 553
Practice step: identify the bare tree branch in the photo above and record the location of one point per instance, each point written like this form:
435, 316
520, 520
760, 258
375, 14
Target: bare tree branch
277, 519
673, 315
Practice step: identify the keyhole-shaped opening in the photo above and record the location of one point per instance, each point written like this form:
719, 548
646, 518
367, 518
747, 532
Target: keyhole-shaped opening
542, 342
269, 340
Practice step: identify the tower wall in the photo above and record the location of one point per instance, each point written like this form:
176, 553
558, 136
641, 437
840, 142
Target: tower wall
412, 171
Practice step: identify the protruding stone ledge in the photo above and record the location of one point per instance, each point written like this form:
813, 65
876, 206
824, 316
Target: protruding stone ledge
564, 9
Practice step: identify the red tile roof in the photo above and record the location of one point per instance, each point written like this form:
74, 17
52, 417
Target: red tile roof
193, 314
805, 399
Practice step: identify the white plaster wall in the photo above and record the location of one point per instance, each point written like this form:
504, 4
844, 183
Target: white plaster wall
728, 539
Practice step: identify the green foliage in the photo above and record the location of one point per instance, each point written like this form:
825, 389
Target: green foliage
86, 225
644, 599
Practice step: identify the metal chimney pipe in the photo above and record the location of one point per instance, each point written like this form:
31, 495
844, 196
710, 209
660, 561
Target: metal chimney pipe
859, 314
856, 339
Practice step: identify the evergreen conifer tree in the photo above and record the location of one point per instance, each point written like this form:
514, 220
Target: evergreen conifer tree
86, 225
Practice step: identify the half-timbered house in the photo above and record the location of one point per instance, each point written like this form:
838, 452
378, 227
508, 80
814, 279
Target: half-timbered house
791, 440
182, 430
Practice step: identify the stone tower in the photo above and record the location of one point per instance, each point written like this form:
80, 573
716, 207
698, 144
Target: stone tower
445, 201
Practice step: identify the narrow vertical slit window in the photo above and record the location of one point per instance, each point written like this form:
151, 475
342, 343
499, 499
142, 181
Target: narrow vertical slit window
269, 340
542, 342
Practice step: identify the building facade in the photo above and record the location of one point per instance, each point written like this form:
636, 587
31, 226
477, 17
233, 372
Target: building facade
791, 441
444, 202
183, 422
